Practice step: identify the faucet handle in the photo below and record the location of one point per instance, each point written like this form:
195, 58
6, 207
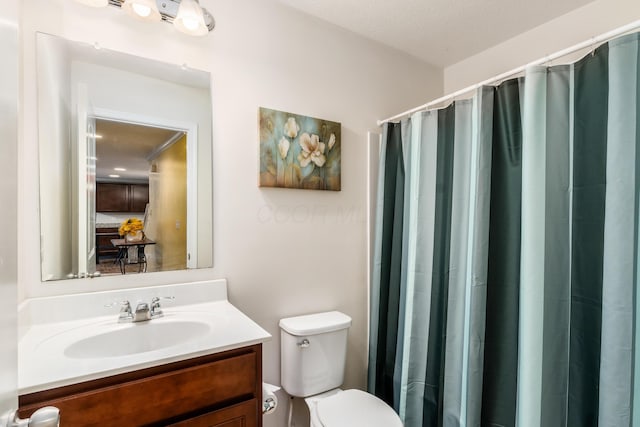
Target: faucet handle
125, 310
121, 303
157, 299
156, 311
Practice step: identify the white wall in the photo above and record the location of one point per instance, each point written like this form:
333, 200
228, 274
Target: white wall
565, 31
9, 83
284, 252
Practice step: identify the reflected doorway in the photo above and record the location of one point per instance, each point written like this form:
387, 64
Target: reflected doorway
141, 172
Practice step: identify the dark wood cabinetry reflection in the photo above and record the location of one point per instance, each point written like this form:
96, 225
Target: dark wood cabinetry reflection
112, 197
105, 251
121, 198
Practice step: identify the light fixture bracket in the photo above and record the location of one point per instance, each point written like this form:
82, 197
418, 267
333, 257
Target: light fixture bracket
169, 10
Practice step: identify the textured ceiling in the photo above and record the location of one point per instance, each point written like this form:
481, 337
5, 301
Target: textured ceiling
441, 32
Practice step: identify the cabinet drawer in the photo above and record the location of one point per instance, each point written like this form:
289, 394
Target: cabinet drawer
177, 394
107, 230
240, 415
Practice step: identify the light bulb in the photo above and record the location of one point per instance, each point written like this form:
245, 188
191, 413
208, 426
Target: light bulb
190, 23
141, 9
190, 19
146, 10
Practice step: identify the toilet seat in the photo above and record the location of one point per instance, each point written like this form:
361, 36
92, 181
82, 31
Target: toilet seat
353, 408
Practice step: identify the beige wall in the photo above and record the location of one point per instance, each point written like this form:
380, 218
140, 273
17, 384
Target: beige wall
284, 252
560, 33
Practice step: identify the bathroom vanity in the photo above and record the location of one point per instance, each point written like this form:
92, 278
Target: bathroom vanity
215, 390
200, 364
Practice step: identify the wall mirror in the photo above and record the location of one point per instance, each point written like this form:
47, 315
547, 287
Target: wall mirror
121, 137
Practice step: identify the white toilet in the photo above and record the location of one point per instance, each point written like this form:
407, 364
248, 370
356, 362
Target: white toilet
313, 356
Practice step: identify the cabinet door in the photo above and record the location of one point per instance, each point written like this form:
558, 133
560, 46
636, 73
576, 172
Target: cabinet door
112, 197
160, 395
240, 415
138, 197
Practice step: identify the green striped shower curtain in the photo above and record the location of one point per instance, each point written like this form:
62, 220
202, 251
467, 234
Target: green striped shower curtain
506, 252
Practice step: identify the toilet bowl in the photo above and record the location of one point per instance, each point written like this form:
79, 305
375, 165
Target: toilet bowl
313, 358
350, 408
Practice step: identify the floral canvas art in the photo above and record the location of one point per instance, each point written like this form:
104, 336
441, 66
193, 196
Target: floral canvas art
299, 151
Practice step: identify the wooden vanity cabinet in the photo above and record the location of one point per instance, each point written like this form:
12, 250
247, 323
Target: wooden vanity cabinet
222, 389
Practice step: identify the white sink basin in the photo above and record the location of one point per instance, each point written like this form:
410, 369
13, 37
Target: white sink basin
134, 338
77, 347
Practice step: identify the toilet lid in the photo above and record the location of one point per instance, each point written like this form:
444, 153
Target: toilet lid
356, 408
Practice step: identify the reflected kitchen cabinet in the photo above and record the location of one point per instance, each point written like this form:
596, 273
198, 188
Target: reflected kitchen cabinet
121, 197
138, 197
104, 247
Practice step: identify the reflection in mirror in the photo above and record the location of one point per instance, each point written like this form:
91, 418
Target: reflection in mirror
121, 137
141, 172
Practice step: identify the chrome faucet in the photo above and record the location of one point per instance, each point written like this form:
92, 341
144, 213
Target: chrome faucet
142, 313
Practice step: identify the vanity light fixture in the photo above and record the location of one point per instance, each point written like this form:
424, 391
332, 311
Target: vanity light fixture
119, 169
146, 10
187, 16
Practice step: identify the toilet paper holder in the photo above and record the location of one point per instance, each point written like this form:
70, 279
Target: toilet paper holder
269, 399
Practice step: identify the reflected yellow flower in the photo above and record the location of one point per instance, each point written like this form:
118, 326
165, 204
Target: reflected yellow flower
130, 226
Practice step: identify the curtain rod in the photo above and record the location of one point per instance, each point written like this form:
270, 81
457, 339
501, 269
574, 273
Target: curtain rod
585, 44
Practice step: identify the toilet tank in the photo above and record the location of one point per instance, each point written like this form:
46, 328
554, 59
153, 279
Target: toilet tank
313, 352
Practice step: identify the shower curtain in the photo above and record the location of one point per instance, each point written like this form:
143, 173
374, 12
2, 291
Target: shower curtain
506, 252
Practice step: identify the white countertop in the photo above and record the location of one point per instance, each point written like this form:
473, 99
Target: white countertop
108, 224
44, 365
115, 219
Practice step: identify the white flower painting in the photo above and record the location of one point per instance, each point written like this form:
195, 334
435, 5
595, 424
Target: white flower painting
312, 150
299, 151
